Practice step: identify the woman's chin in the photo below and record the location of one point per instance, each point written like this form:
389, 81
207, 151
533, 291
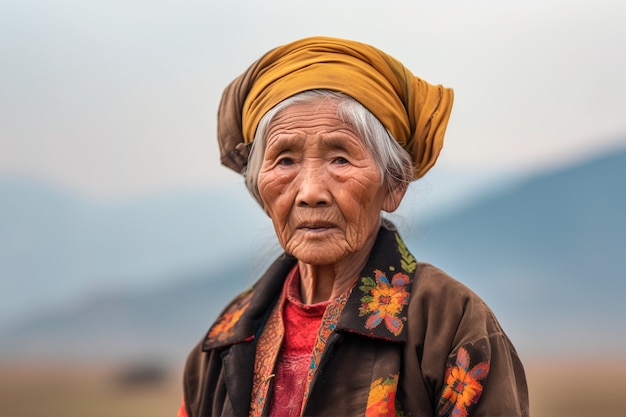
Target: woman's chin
319, 252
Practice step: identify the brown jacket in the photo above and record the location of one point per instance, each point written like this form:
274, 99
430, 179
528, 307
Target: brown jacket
440, 351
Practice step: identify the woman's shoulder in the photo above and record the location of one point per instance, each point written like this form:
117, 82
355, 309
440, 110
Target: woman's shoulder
433, 281
438, 297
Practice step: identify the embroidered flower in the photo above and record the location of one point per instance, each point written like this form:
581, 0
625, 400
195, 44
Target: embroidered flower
462, 387
382, 397
385, 300
223, 328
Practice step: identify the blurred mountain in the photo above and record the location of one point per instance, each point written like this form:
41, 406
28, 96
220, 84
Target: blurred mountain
147, 326
546, 254
54, 247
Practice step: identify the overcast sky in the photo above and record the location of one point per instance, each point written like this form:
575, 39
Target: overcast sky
113, 99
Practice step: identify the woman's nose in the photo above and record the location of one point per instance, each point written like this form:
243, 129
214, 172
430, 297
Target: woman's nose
313, 188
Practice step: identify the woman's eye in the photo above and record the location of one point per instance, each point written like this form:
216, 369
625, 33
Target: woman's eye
340, 160
285, 161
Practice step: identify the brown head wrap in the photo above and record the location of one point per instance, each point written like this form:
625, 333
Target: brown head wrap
414, 111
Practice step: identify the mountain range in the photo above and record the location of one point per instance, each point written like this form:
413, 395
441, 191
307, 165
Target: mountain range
546, 253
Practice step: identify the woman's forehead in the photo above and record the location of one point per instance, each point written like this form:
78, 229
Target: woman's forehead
322, 140
310, 109
310, 118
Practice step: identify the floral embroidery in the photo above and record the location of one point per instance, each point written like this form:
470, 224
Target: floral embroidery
462, 387
385, 300
223, 329
382, 397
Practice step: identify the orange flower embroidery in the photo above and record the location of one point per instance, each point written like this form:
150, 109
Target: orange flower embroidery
462, 387
385, 300
223, 329
382, 397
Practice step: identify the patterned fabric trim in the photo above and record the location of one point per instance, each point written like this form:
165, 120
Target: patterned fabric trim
329, 322
463, 387
267, 351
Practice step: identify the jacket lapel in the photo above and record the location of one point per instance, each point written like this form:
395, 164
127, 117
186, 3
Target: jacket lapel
377, 305
236, 330
374, 315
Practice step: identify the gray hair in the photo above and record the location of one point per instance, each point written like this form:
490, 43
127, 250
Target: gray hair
394, 162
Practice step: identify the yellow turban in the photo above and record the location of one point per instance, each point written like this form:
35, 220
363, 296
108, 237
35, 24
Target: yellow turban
415, 112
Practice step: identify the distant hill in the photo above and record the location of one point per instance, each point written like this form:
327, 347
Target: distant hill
151, 325
546, 254
55, 247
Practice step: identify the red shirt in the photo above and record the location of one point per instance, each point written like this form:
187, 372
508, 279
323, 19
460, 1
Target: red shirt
301, 323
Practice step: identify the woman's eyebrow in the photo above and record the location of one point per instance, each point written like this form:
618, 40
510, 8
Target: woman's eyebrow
339, 142
283, 141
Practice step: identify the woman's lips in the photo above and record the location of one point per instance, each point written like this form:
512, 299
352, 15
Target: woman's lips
316, 226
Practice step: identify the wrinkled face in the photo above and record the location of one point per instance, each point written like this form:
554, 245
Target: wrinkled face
320, 185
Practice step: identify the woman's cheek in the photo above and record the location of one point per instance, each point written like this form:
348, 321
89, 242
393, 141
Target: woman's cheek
274, 191
271, 187
266, 183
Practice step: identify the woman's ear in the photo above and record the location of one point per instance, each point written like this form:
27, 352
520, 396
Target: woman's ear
394, 197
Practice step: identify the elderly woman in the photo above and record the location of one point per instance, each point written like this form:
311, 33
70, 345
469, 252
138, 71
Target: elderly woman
328, 134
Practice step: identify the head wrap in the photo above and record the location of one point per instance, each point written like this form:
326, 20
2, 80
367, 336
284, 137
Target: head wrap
415, 112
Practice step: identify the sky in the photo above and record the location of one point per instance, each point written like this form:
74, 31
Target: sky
116, 99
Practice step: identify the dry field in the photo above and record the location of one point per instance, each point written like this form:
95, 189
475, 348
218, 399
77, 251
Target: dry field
575, 388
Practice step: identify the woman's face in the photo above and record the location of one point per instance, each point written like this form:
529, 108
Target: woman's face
320, 185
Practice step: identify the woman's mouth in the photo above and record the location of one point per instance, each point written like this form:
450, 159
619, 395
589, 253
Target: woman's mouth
316, 226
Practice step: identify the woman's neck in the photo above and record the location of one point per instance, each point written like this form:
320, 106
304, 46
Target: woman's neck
320, 283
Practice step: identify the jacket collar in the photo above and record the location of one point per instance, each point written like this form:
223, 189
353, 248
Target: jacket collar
378, 303
244, 317
376, 306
